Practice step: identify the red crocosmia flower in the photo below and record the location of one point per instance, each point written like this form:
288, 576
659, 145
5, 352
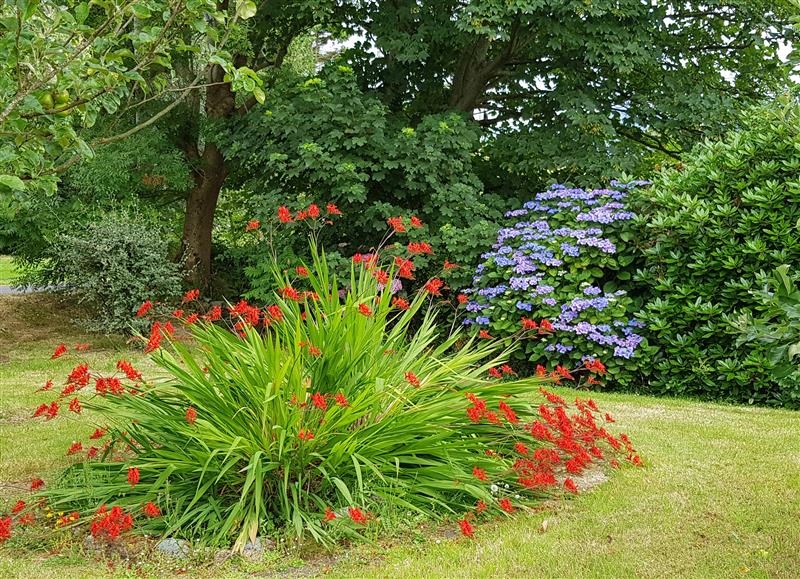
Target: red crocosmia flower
27, 519
144, 308
529, 324
275, 313
48, 385
191, 296
290, 293
5, 529
480, 507
40, 410
506, 505
545, 326
301, 271
405, 267
521, 448
357, 515
412, 379
479, 473
97, 434
462, 298
332, 209
129, 370
301, 215
328, 516
365, 309
434, 286
75, 448
154, 341
69, 389
305, 434
380, 276
415, 221
191, 415
133, 476
82, 347
18, 507
341, 400
284, 215
37, 484
563, 372
169, 329
541, 370
396, 223
593, 405
213, 314
252, 225
75, 406
52, 410
448, 265
511, 416
419, 247
506, 369
313, 211
485, 335
596, 366
60, 350
570, 485
319, 401
495, 373
609, 418
466, 528
400, 303
151, 510
314, 351
191, 319
92, 452
112, 523
636, 460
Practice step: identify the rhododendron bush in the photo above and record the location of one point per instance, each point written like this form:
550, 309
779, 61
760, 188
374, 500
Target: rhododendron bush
553, 278
319, 413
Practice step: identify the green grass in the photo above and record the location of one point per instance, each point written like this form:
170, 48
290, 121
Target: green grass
719, 497
7, 270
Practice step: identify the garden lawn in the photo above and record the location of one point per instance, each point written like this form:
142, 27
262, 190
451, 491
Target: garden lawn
719, 497
7, 270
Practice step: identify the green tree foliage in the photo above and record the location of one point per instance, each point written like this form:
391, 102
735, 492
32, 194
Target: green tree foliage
718, 226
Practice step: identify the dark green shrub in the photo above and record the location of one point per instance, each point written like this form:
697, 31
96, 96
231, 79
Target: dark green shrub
716, 225
112, 266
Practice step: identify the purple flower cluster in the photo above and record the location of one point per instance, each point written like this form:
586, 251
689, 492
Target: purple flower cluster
557, 236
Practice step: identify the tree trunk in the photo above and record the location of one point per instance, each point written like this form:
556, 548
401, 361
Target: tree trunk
209, 176
199, 220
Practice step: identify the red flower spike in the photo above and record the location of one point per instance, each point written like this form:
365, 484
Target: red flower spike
332, 209
329, 515
412, 379
419, 247
609, 418
284, 215
133, 476
506, 505
318, 400
466, 528
479, 473
18, 507
151, 510
365, 309
92, 452
191, 415
191, 296
495, 373
37, 484
313, 211
570, 486
154, 342
60, 350
144, 308
434, 287
305, 434
545, 326
485, 335
5, 529
301, 271
462, 299
252, 225
357, 515
400, 303
448, 265
75, 406
415, 222
341, 400
480, 507
75, 448
314, 351
396, 223
213, 314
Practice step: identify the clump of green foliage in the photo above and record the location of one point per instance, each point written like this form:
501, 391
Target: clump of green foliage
111, 266
716, 227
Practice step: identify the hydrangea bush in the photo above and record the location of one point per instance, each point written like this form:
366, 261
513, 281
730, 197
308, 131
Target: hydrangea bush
552, 278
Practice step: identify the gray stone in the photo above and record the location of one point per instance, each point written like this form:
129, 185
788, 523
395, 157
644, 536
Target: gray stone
255, 549
177, 548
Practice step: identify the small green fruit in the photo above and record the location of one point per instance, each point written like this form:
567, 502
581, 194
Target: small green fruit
46, 100
61, 97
